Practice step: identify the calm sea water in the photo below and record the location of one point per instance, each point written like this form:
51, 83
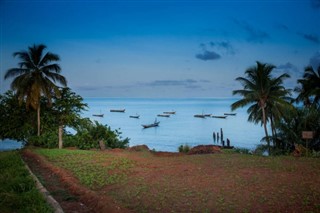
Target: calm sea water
7, 144
181, 128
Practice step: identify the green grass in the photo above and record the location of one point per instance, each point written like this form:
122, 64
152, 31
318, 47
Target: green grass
93, 169
17, 189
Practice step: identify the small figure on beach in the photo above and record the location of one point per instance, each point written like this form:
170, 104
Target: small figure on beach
214, 137
228, 142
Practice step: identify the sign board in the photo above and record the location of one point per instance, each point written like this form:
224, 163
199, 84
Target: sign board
307, 135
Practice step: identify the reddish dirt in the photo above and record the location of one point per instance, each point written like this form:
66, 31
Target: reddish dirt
174, 182
66, 189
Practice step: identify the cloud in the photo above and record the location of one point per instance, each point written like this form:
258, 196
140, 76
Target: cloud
171, 82
315, 60
223, 46
315, 4
310, 37
91, 88
289, 68
254, 35
208, 55
187, 83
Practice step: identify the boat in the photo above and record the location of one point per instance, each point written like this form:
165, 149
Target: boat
155, 124
98, 115
219, 116
134, 116
232, 114
170, 112
117, 110
164, 115
207, 115
200, 116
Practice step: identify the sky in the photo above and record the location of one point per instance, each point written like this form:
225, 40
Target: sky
162, 49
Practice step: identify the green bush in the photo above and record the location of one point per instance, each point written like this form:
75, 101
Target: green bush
184, 148
89, 137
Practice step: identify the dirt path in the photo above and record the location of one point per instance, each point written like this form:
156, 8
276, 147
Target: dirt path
66, 189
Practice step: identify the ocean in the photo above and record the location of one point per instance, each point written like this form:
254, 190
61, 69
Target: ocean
179, 129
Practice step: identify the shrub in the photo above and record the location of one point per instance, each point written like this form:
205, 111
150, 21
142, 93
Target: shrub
184, 148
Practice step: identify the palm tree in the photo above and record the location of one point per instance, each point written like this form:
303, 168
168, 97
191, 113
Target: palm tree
35, 77
267, 96
310, 87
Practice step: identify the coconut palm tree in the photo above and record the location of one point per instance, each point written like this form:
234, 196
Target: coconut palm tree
36, 76
309, 91
266, 95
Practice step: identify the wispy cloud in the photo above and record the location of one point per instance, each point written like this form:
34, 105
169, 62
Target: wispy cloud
160, 83
255, 35
224, 46
310, 37
315, 60
290, 69
187, 83
208, 55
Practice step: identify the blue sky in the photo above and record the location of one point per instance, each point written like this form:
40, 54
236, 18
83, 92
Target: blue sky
162, 48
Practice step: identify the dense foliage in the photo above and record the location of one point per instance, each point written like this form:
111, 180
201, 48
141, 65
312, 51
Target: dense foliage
64, 111
272, 103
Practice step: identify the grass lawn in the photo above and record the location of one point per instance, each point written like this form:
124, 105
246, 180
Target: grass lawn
17, 189
226, 182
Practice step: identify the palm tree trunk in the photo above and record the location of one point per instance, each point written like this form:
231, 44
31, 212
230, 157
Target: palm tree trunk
38, 118
265, 128
60, 136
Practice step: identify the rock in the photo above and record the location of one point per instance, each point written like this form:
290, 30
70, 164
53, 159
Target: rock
139, 148
204, 149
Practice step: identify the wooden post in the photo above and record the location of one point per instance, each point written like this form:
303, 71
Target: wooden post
307, 135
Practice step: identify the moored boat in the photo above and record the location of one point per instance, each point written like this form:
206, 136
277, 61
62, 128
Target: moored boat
117, 110
219, 116
200, 116
170, 112
98, 115
134, 116
163, 115
155, 124
232, 114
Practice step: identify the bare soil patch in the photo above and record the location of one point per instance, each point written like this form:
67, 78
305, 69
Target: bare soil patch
173, 182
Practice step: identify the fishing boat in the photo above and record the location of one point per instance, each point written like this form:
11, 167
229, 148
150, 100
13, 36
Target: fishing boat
117, 110
170, 112
164, 115
232, 114
98, 115
200, 116
155, 124
219, 116
134, 116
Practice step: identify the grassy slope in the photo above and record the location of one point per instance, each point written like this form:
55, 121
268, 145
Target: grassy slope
17, 189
